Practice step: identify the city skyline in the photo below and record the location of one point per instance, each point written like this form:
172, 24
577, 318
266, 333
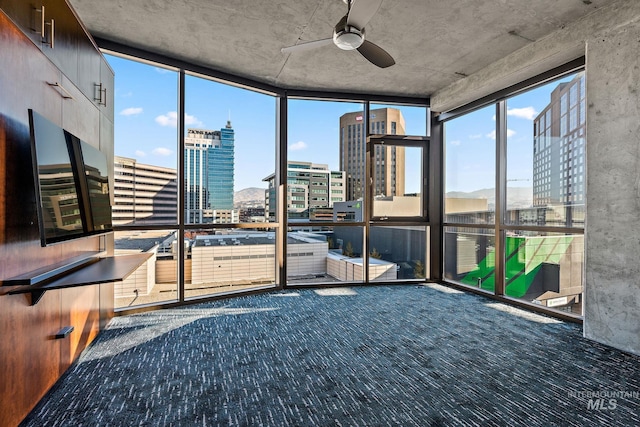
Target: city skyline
146, 118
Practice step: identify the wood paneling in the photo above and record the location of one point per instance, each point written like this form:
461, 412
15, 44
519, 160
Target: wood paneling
79, 307
31, 359
29, 353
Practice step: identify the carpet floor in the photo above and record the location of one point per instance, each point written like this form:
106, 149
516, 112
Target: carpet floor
401, 355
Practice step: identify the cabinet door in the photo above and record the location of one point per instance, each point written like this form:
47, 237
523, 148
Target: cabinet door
27, 15
80, 308
106, 78
29, 353
61, 41
89, 59
80, 116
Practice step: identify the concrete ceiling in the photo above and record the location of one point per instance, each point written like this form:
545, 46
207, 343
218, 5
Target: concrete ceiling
434, 42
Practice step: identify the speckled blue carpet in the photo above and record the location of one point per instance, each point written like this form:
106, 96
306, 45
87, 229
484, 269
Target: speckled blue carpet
363, 356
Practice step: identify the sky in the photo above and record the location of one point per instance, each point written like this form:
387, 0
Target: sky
470, 143
145, 128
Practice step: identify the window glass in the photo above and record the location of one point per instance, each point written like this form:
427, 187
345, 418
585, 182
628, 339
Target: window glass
155, 281
542, 179
145, 144
469, 255
145, 179
324, 255
326, 161
398, 253
545, 269
229, 153
470, 159
228, 260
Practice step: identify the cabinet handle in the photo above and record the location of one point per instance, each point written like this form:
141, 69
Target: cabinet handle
52, 33
64, 332
63, 92
101, 92
42, 23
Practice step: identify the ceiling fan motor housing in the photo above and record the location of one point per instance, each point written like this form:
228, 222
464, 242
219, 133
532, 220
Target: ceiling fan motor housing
347, 37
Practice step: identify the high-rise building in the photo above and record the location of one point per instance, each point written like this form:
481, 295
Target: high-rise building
209, 173
144, 194
311, 189
388, 173
559, 133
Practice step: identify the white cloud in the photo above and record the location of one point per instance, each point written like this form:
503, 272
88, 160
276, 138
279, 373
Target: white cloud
161, 151
171, 119
475, 136
300, 145
140, 153
492, 134
131, 111
192, 120
528, 113
162, 70
455, 142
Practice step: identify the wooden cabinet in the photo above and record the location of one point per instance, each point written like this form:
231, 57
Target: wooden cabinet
30, 355
60, 84
53, 27
62, 33
27, 15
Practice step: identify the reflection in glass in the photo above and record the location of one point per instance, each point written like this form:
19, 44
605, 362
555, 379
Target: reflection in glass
469, 256
545, 269
397, 252
58, 194
97, 174
155, 281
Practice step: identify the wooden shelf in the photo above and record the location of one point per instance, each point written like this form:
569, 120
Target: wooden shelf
101, 270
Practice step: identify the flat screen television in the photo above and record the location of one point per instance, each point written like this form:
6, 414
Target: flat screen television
71, 183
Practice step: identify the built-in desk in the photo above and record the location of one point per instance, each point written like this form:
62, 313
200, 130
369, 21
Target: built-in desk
94, 270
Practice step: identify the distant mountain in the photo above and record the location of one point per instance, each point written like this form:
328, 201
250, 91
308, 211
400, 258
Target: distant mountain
517, 197
249, 197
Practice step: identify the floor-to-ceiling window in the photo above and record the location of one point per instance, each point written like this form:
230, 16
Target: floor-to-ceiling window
325, 191
545, 194
240, 168
145, 179
469, 199
515, 195
398, 231
229, 153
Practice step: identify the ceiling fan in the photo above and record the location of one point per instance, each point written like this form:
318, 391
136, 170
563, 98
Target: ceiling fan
348, 34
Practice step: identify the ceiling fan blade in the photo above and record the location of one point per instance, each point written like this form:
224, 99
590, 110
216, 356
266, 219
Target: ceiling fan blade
307, 46
376, 55
361, 12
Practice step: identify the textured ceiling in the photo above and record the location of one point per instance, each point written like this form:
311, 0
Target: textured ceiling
434, 42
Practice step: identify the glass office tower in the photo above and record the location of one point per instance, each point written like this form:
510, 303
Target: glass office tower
209, 173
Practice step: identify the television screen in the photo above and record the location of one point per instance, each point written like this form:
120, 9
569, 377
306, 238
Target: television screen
97, 186
57, 195
72, 186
